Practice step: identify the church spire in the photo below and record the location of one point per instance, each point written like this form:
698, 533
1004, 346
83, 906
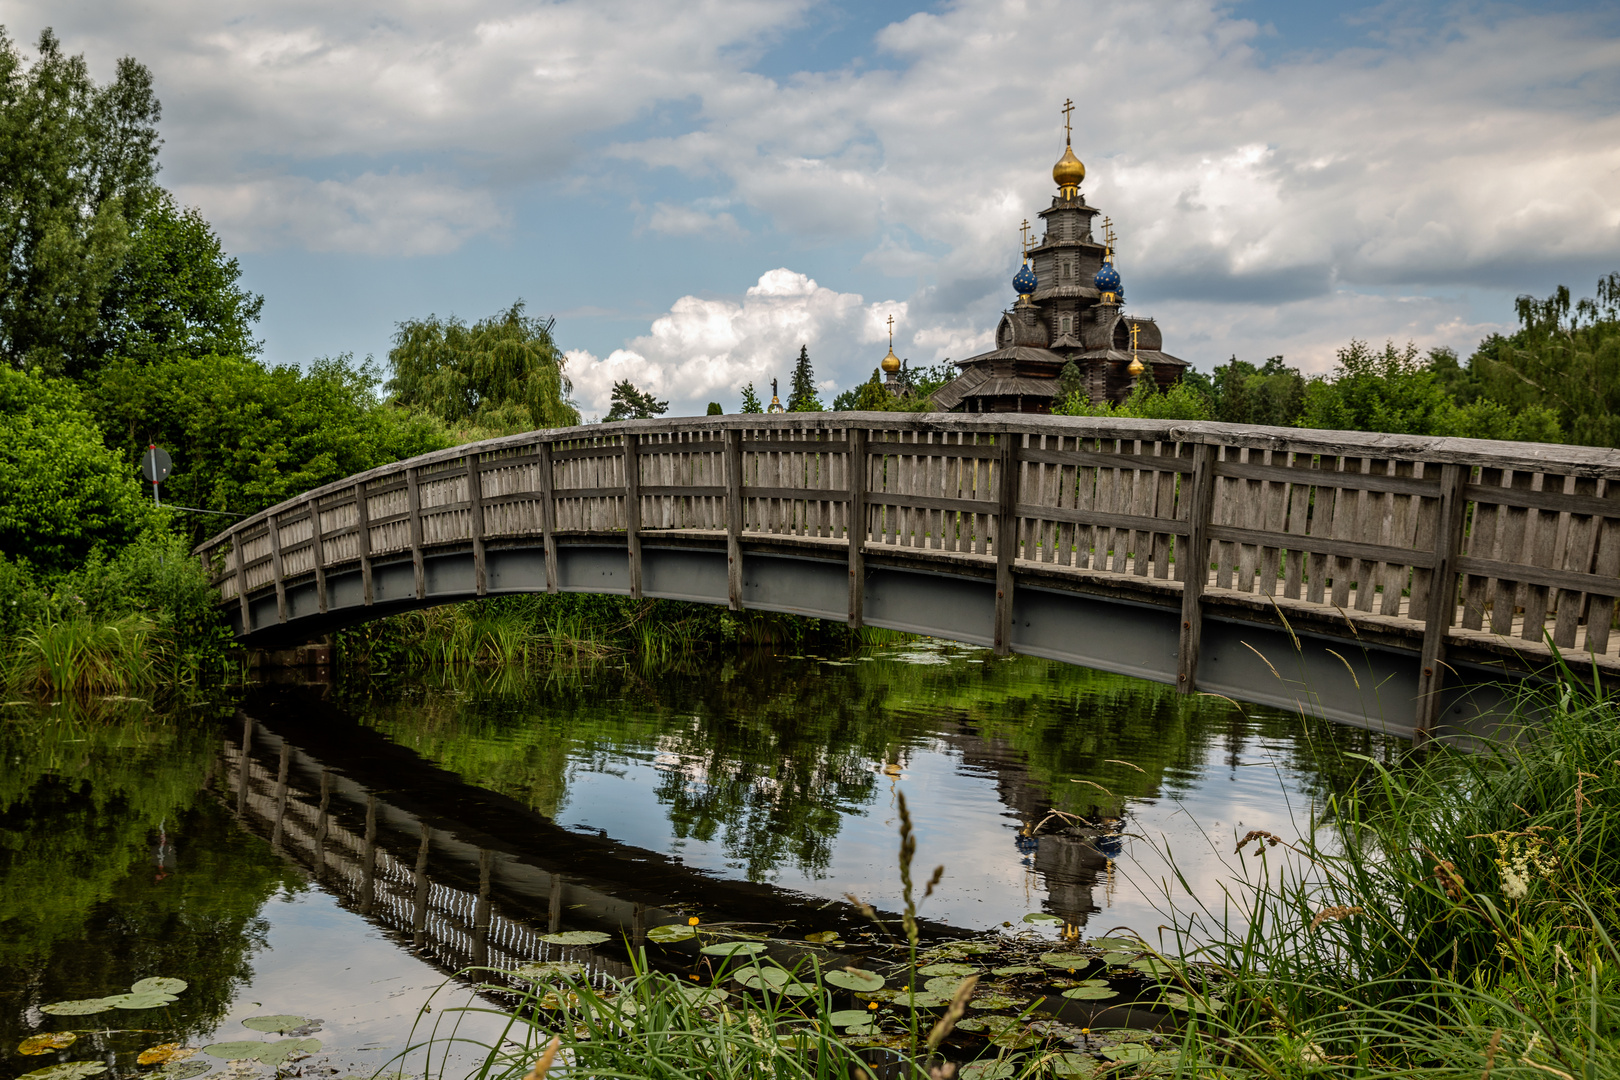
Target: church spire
1069, 171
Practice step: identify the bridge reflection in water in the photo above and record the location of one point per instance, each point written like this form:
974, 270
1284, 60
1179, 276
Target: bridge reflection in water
468, 877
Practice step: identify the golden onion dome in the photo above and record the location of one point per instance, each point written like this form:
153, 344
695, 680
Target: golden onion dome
891, 363
1069, 171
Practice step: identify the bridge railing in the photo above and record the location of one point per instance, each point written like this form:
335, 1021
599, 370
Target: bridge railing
1445, 536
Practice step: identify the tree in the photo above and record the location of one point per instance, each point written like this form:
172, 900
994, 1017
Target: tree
802, 396
78, 164
244, 436
62, 492
175, 291
750, 402
632, 404
715, 409
1070, 383
1391, 391
870, 396
1147, 402
502, 373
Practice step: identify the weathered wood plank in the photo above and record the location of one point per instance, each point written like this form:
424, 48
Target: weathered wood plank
734, 519
362, 513
632, 510
275, 569
548, 513
414, 496
1442, 600
1006, 542
475, 506
318, 550
855, 533
1341, 549
1196, 555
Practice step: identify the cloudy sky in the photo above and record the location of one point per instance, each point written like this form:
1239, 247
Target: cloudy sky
696, 189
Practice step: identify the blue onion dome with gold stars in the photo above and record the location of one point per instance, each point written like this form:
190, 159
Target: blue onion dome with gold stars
1107, 279
1024, 281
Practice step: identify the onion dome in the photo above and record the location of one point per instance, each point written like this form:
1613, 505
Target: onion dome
1107, 280
1024, 281
890, 363
1068, 173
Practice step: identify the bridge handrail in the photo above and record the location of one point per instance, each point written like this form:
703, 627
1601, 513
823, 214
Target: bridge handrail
1436, 532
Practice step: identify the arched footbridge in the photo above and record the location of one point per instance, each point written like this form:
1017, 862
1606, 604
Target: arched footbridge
1381, 580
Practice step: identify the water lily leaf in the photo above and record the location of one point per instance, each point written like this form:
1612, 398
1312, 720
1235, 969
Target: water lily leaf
277, 1023
1177, 1000
1091, 993
824, 937
863, 1029
1018, 969
1066, 960
1129, 1053
850, 1017
761, 978
989, 1070
67, 1070
855, 979
925, 1000
665, 935
550, 971
279, 1051
799, 989
1150, 965
143, 1001
1042, 917
703, 995
239, 1050
1116, 944
159, 985
1073, 1066
947, 969
577, 937
972, 1023
995, 1001
555, 1000
181, 1070
163, 1053
733, 948
962, 948
1012, 1037
47, 1043
82, 1007
942, 984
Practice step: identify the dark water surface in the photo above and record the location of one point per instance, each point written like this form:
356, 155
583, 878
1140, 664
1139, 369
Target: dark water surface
335, 852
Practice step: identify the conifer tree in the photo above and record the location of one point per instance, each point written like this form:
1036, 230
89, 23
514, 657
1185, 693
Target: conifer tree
750, 403
802, 396
630, 403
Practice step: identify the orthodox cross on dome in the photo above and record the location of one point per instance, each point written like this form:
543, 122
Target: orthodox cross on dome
1024, 229
1137, 368
891, 333
1068, 107
1108, 234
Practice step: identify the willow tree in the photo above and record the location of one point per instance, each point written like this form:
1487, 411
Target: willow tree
501, 373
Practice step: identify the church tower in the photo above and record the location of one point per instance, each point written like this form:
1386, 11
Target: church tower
1069, 305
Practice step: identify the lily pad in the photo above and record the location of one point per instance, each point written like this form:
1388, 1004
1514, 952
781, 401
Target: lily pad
824, 937
1119, 959
82, 1007
995, 1001
550, 971
1130, 1053
47, 1043
1073, 1066
1150, 965
855, 979
863, 1029
276, 1023
846, 1018
67, 1070
1115, 944
164, 1053
143, 1001
763, 978
1014, 1037
990, 1070
958, 970
1176, 1000
1066, 960
159, 985
799, 989
577, 937
962, 948
282, 1049
733, 948
665, 935
1091, 993
703, 995
925, 1000
181, 1070
1018, 969
1042, 917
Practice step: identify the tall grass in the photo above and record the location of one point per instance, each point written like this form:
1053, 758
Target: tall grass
1460, 920
79, 654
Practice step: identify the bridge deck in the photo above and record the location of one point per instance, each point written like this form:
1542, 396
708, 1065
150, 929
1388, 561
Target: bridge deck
1453, 552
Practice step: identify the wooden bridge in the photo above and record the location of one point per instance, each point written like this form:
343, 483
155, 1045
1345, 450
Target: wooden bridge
1384, 580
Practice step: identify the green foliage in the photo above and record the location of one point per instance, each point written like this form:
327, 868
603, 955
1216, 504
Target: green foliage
632, 404
714, 409
1070, 383
1148, 402
504, 372
175, 292
1393, 391
750, 401
802, 395
61, 491
870, 396
1271, 395
77, 165
244, 436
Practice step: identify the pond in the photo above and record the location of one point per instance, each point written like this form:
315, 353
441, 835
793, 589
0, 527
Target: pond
334, 852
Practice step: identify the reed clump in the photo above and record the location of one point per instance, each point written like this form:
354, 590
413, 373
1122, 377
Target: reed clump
1460, 920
